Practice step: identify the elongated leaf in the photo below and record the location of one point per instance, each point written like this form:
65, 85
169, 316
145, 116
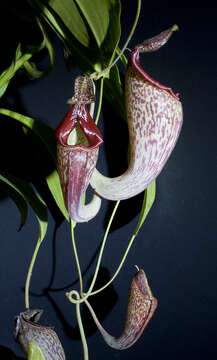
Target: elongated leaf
69, 13
149, 197
17, 197
3, 88
7, 75
32, 198
103, 18
90, 30
46, 135
53, 182
34, 352
21, 59
90, 58
30, 67
16, 64
96, 12
72, 45
42, 130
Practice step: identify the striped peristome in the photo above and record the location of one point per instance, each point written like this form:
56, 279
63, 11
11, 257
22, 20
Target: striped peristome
154, 115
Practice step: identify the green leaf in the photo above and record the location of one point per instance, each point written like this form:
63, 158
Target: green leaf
42, 130
73, 46
30, 67
23, 60
149, 197
89, 30
53, 182
69, 13
17, 197
97, 13
3, 88
7, 75
103, 18
16, 64
45, 133
34, 352
32, 198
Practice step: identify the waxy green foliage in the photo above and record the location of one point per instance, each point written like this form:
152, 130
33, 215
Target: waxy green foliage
45, 133
30, 196
89, 30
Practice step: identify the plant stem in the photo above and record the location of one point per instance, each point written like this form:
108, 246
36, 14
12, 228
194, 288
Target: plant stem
92, 105
100, 100
82, 299
80, 324
29, 274
81, 329
102, 249
76, 257
118, 269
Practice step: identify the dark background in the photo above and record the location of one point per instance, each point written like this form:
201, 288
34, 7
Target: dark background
177, 245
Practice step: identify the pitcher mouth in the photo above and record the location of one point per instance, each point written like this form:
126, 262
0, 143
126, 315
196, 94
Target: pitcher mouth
134, 60
77, 130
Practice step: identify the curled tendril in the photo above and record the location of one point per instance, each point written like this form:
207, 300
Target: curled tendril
75, 293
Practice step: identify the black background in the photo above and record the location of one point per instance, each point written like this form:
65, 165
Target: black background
177, 245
